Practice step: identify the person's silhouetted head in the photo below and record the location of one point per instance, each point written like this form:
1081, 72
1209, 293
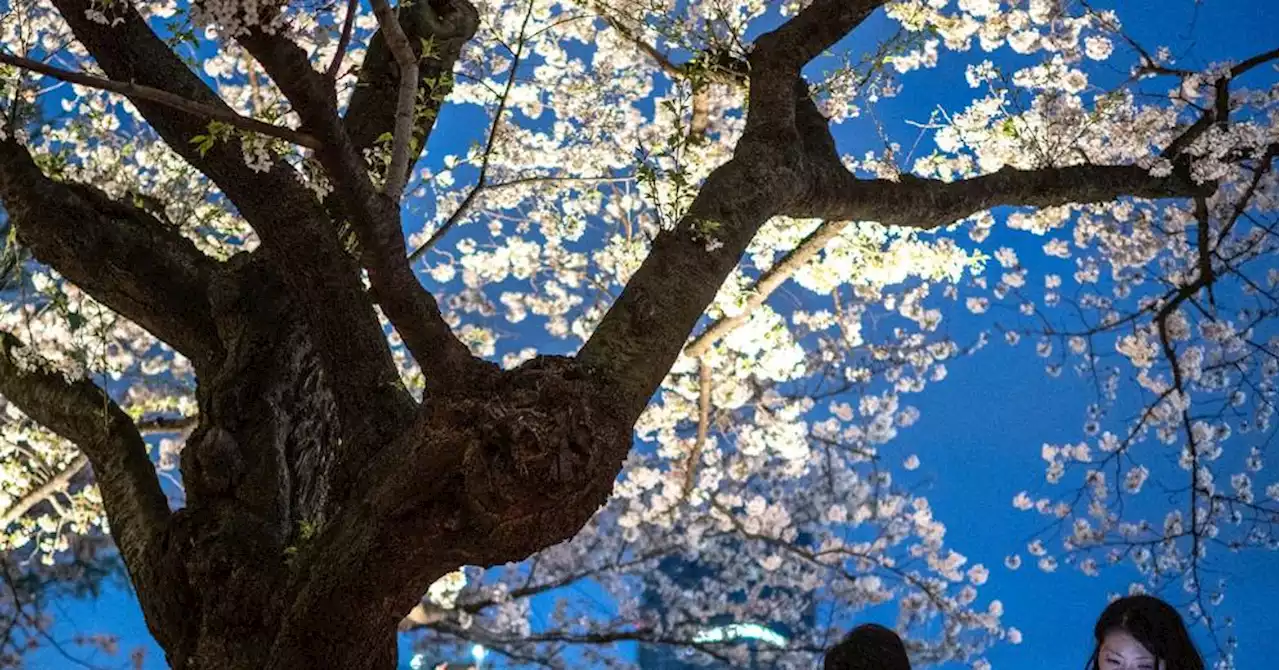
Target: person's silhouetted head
868, 647
1142, 633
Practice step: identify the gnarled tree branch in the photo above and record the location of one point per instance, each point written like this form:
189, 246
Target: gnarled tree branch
295, 229
83, 413
786, 164
779, 55
785, 146
120, 254
927, 203
444, 25
408, 305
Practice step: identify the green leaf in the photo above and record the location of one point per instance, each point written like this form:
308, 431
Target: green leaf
203, 144
429, 48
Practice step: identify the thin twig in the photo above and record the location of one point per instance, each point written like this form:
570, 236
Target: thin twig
398, 43
488, 149
51, 486
353, 7
768, 283
648, 49
704, 424
487, 187
519, 181
162, 424
165, 98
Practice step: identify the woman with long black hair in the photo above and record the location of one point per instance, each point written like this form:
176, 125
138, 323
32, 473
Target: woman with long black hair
868, 647
1142, 633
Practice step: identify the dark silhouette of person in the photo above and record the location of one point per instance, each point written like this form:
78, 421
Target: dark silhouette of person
868, 647
1142, 633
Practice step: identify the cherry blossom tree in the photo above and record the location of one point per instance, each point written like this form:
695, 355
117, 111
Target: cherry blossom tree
660, 312
1178, 355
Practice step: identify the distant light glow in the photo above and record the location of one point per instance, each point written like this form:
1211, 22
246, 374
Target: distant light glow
737, 631
478, 652
417, 661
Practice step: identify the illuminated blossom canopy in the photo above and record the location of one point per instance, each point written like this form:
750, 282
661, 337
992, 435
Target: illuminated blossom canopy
303, 348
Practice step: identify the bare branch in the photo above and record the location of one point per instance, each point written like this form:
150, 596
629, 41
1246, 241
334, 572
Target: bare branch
136, 91
926, 203
1250, 63
120, 254
436, 32
376, 219
161, 424
353, 8
83, 413
769, 282
646, 327
397, 172
488, 149
704, 425
814, 30
58, 482
785, 145
779, 56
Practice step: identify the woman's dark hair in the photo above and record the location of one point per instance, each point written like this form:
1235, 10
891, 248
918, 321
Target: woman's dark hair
1155, 624
868, 647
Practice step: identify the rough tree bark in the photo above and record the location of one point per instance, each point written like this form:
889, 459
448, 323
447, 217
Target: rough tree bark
321, 499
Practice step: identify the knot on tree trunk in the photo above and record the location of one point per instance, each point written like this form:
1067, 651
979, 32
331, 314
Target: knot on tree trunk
547, 444
452, 20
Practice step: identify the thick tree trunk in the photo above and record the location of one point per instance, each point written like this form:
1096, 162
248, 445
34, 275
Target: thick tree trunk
256, 478
287, 557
